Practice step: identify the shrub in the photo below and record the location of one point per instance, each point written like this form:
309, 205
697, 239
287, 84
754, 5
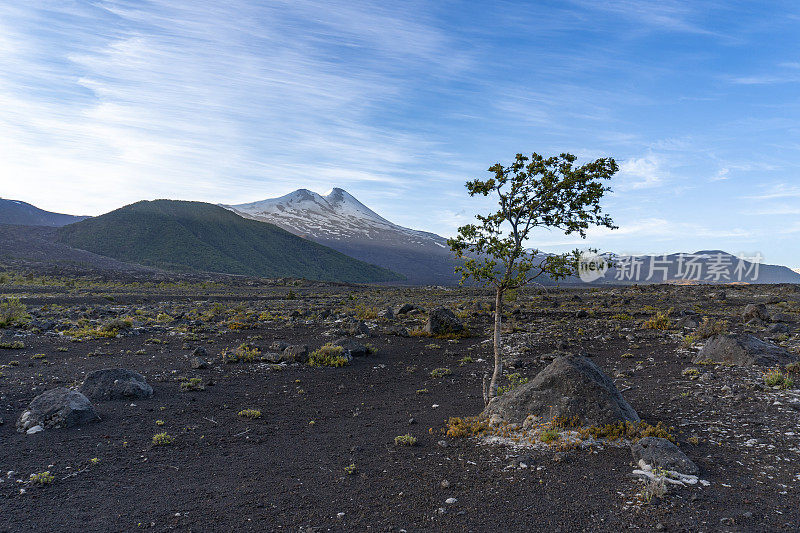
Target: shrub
550, 435
252, 414
405, 440
465, 360
659, 321
192, 384
162, 439
470, 426
350, 469
691, 373
793, 368
13, 345
328, 355
242, 353
774, 377
441, 372
709, 327
12, 313
42, 478
514, 381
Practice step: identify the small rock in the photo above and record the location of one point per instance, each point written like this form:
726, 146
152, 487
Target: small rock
445, 484
661, 453
450, 501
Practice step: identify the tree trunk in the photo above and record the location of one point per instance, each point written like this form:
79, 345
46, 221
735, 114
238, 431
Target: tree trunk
498, 360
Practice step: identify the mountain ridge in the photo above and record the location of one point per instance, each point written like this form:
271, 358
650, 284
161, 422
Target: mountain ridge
340, 221
19, 213
197, 236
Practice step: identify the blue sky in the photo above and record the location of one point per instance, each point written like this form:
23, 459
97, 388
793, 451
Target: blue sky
108, 102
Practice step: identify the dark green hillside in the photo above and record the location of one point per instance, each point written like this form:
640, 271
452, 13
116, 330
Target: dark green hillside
24, 214
198, 236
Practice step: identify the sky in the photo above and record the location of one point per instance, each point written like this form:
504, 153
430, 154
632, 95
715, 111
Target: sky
104, 103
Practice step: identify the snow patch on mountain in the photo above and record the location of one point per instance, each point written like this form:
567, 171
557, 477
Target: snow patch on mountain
337, 215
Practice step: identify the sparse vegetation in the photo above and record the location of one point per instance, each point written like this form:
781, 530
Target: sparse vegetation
162, 439
775, 377
12, 313
405, 440
328, 355
440, 372
659, 321
252, 414
41, 478
514, 381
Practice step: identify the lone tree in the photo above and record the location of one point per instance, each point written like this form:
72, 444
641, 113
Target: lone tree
533, 192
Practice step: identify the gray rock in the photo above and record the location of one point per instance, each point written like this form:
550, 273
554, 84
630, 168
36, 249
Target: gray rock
295, 353
582, 313
782, 317
442, 321
778, 328
400, 331
742, 349
352, 347
200, 352
387, 313
115, 384
198, 363
405, 308
752, 311
278, 346
57, 408
661, 453
570, 386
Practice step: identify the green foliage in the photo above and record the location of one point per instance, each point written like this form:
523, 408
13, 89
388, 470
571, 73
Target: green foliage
709, 327
441, 372
774, 377
405, 440
42, 478
659, 321
196, 236
12, 345
252, 414
328, 355
192, 384
12, 313
514, 381
533, 192
162, 439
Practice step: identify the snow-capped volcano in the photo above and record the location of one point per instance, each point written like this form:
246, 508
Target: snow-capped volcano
340, 221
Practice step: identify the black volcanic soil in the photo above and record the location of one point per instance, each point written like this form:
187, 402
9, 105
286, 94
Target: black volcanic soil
286, 470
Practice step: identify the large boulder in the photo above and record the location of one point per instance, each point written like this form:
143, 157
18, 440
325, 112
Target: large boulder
442, 321
661, 453
57, 408
570, 386
742, 349
352, 347
296, 354
757, 311
115, 384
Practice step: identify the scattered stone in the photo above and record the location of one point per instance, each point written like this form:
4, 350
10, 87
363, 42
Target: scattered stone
115, 384
57, 408
570, 386
582, 313
661, 453
387, 313
450, 501
442, 321
742, 349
